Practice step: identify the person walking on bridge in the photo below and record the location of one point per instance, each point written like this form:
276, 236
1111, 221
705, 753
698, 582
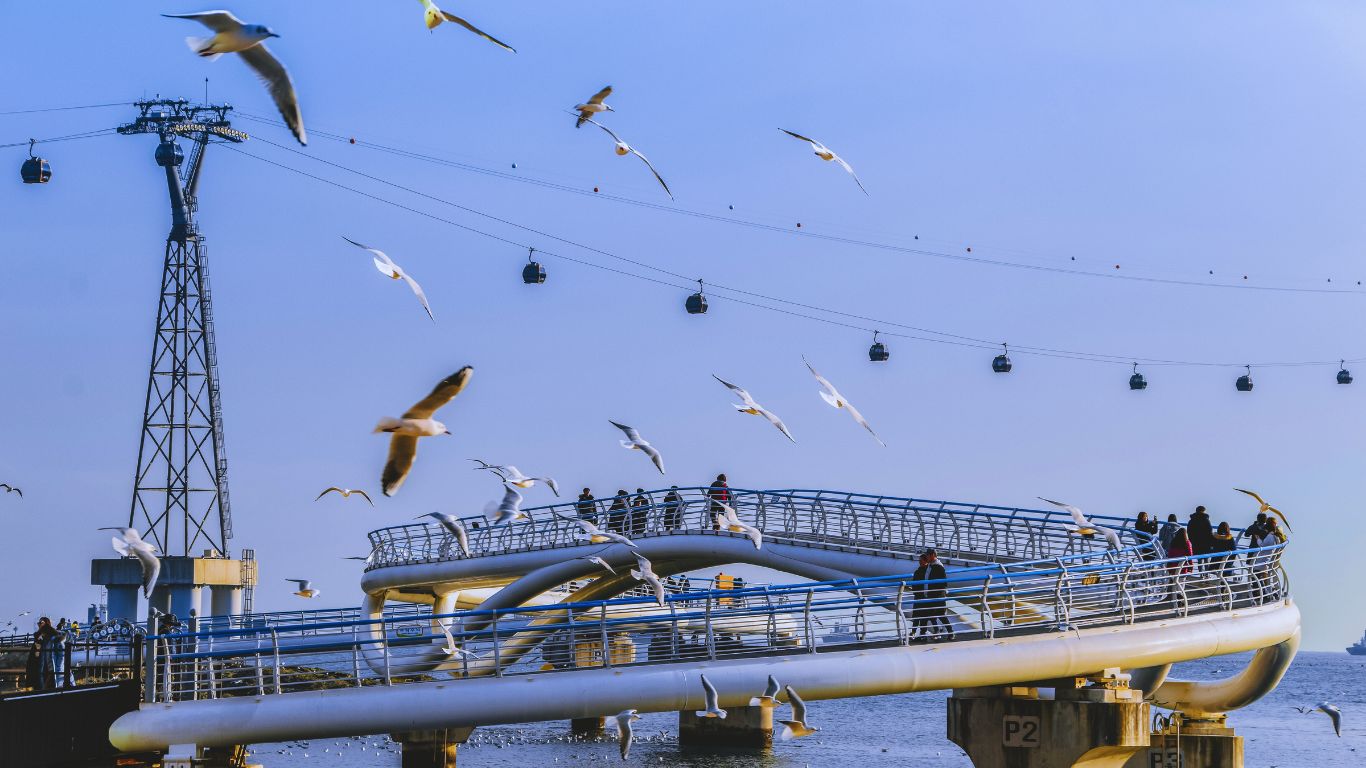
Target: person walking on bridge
640, 512
616, 514
933, 596
586, 507
719, 493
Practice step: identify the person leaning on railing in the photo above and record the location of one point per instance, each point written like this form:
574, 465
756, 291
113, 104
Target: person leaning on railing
673, 509
586, 507
1148, 525
1223, 544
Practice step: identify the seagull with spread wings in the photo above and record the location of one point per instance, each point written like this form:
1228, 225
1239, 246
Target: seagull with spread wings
509, 509
305, 588
513, 476
1332, 711
597, 535
1085, 527
623, 148
599, 562
11, 489
248, 41
434, 17
346, 493
827, 154
645, 572
625, 734
752, 407
836, 400
731, 520
769, 698
711, 700
417, 422
129, 543
635, 442
453, 526
593, 106
388, 268
1267, 508
796, 727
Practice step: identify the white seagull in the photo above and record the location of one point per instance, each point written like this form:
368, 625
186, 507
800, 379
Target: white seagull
635, 442
732, 522
417, 422
513, 476
624, 732
710, 701
597, 535
1267, 508
451, 649
434, 16
647, 574
836, 400
751, 407
598, 561
305, 588
626, 149
769, 698
456, 528
247, 41
593, 106
825, 153
1332, 711
129, 542
796, 727
387, 267
1084, 526
346, 493
509, 509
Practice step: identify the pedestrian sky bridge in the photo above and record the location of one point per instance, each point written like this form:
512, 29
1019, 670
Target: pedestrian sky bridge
1027, 599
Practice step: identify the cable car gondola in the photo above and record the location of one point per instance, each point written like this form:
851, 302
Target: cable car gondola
878, 352
1244, 383
1001, 364
35, 170
1136, 381
533, 273
1344, 375
696, 303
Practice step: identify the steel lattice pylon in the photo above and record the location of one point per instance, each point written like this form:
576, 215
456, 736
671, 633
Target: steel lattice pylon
180, 491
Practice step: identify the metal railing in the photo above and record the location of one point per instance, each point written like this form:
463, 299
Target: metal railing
987, 601
880, 525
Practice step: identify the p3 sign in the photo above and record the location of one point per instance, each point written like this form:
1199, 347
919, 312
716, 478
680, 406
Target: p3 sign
1164, 758
1020, 731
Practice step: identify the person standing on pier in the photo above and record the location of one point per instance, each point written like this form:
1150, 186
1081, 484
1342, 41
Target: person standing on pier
41, 668
640, 511
934, 595
1200, 531
1148, 525
1168, 533
1257, 529
616, 514
673, 509
719, 493
586, 506
1223, 545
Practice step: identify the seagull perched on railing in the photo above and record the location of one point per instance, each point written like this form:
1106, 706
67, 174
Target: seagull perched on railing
305, 588
646, 573
129, 542
769, 698
417, 422
625, 734
1085, 527
752, 407
509, 509
710, 701
346, 493
1332, 711
836, 400
457, 529
731, 520
796, 727
513, 476
597, 535
635, 442
1267, 508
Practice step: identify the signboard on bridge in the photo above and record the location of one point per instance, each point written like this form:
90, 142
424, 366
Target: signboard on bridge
1020, 731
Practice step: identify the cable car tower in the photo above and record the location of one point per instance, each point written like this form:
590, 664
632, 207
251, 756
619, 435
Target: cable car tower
180, 490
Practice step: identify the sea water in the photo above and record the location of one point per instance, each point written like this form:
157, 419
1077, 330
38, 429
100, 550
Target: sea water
893, 732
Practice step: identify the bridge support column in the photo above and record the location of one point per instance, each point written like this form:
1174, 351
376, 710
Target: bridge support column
1088, 724
431, 749
587, 728
1207, 742
742, 727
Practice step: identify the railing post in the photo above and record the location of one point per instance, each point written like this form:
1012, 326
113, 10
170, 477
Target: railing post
384, 634
275, 653
807, 621
260, 672
901, 638
497, 647
711, 639
355, 653
987, 620
213, 679
166, 671
602, 635
135, 654
150, 676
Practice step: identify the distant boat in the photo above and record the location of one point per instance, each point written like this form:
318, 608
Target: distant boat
1358, 648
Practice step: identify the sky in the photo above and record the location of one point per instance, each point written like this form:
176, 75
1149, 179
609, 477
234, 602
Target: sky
1172, 139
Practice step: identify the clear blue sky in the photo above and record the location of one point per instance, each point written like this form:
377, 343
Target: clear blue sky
1171, 138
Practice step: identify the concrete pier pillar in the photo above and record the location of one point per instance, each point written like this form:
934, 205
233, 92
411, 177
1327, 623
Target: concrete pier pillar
587, 727
123, 602
225, 600
1207, 743
742, 728
1086, 725
432, 748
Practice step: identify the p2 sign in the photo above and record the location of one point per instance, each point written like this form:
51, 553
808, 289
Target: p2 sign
1020, 731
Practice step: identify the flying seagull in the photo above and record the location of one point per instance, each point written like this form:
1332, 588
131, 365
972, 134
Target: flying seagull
11, 489
513, 476
129, 542
1332, 711
451, 649
732, 522
751, 407
346, 493
769, 698
435, 16
713, 708
509, 509
647, 574
626, 149
598, 561
597, 535
836, 400
1085, 527
635, 442
593, 106
305, 588
825, 153
1267, 508
456, 528
417, 422
387, 267
624, 731
247, 40
796, 727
